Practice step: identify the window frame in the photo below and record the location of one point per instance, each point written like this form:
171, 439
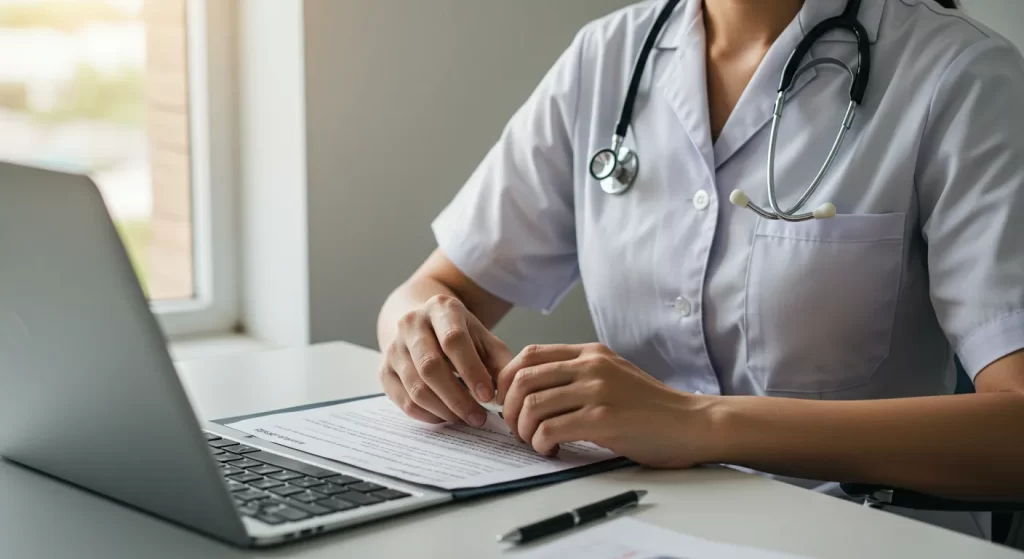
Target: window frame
215, 305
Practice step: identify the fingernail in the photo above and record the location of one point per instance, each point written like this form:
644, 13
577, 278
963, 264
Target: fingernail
483, 392
477, 418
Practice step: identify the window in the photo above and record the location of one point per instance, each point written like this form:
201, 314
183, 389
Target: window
119, 90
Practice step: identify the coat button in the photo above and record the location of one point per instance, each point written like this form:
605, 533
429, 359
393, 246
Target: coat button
701, 200
682, 306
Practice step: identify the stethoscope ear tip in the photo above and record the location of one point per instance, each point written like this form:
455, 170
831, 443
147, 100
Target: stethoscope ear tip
739, 198
824, 211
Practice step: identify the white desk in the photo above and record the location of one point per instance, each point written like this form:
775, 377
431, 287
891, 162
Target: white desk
43, 518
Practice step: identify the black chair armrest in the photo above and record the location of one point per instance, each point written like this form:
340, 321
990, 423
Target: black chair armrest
913, 500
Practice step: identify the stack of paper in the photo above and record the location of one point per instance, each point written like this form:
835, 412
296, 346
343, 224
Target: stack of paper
375, 435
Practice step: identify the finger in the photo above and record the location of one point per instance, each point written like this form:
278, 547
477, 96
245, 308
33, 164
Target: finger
533, 379
531, 356
566, 428
395, 391
494, 352
453, 337
433, 369
416, 388
546, 404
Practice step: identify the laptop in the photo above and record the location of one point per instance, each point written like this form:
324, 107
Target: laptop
89, 393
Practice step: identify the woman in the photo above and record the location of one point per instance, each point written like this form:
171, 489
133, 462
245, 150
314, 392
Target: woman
822, 349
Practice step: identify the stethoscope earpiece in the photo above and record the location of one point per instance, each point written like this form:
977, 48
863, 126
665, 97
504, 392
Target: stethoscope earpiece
824, 211
740, 198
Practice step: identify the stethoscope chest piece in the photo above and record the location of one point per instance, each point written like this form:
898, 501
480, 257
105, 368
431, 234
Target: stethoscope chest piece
615, 171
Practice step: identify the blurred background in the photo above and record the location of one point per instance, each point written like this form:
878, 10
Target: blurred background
273, 165
99, 86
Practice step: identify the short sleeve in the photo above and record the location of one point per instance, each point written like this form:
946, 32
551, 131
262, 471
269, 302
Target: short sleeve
970, 182
511, 228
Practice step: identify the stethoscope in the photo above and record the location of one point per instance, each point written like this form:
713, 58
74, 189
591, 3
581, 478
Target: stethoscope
616, 168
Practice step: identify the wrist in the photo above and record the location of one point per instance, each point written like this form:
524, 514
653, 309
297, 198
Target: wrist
756, 432
715, 419
701, 426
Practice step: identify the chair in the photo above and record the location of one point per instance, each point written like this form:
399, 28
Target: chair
1007, 518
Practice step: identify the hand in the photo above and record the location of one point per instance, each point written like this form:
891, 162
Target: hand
560, 394
434, 343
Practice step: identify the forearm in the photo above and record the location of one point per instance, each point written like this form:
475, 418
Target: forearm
411, 295
968, 446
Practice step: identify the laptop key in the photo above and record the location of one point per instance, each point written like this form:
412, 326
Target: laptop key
216, 452
246, 477
250, 495
211, 436
228, 470
266, 483
290, 464
311, 508
227, 457
286, 490
307, 497
263, 503
236, 486
269, 518
287, 512
248, 510
285, 476
390, 494
245, 464
221, 443
264, 470
331, 489
359, 498
336, 505
343, 480
241, 448
306, 482
365, 487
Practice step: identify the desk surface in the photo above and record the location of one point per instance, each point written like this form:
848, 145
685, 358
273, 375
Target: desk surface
40, 517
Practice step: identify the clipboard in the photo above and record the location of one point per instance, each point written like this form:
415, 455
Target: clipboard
469, 492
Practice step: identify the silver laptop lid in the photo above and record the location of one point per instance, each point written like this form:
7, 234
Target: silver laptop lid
88, 392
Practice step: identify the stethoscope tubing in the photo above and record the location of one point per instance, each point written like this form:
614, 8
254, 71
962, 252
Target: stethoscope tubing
616, 168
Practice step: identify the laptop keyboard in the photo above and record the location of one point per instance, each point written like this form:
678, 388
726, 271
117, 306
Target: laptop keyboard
276, 489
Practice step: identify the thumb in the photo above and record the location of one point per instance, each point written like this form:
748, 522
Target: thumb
493, 352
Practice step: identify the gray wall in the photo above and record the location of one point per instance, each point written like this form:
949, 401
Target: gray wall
403, 99
1004, 16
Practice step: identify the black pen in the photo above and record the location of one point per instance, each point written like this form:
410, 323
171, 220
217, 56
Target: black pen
576, 517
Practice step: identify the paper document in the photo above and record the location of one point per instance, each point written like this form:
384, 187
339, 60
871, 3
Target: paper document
628, 538
375, 435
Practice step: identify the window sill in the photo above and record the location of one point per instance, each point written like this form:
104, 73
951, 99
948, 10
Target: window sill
185, 349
